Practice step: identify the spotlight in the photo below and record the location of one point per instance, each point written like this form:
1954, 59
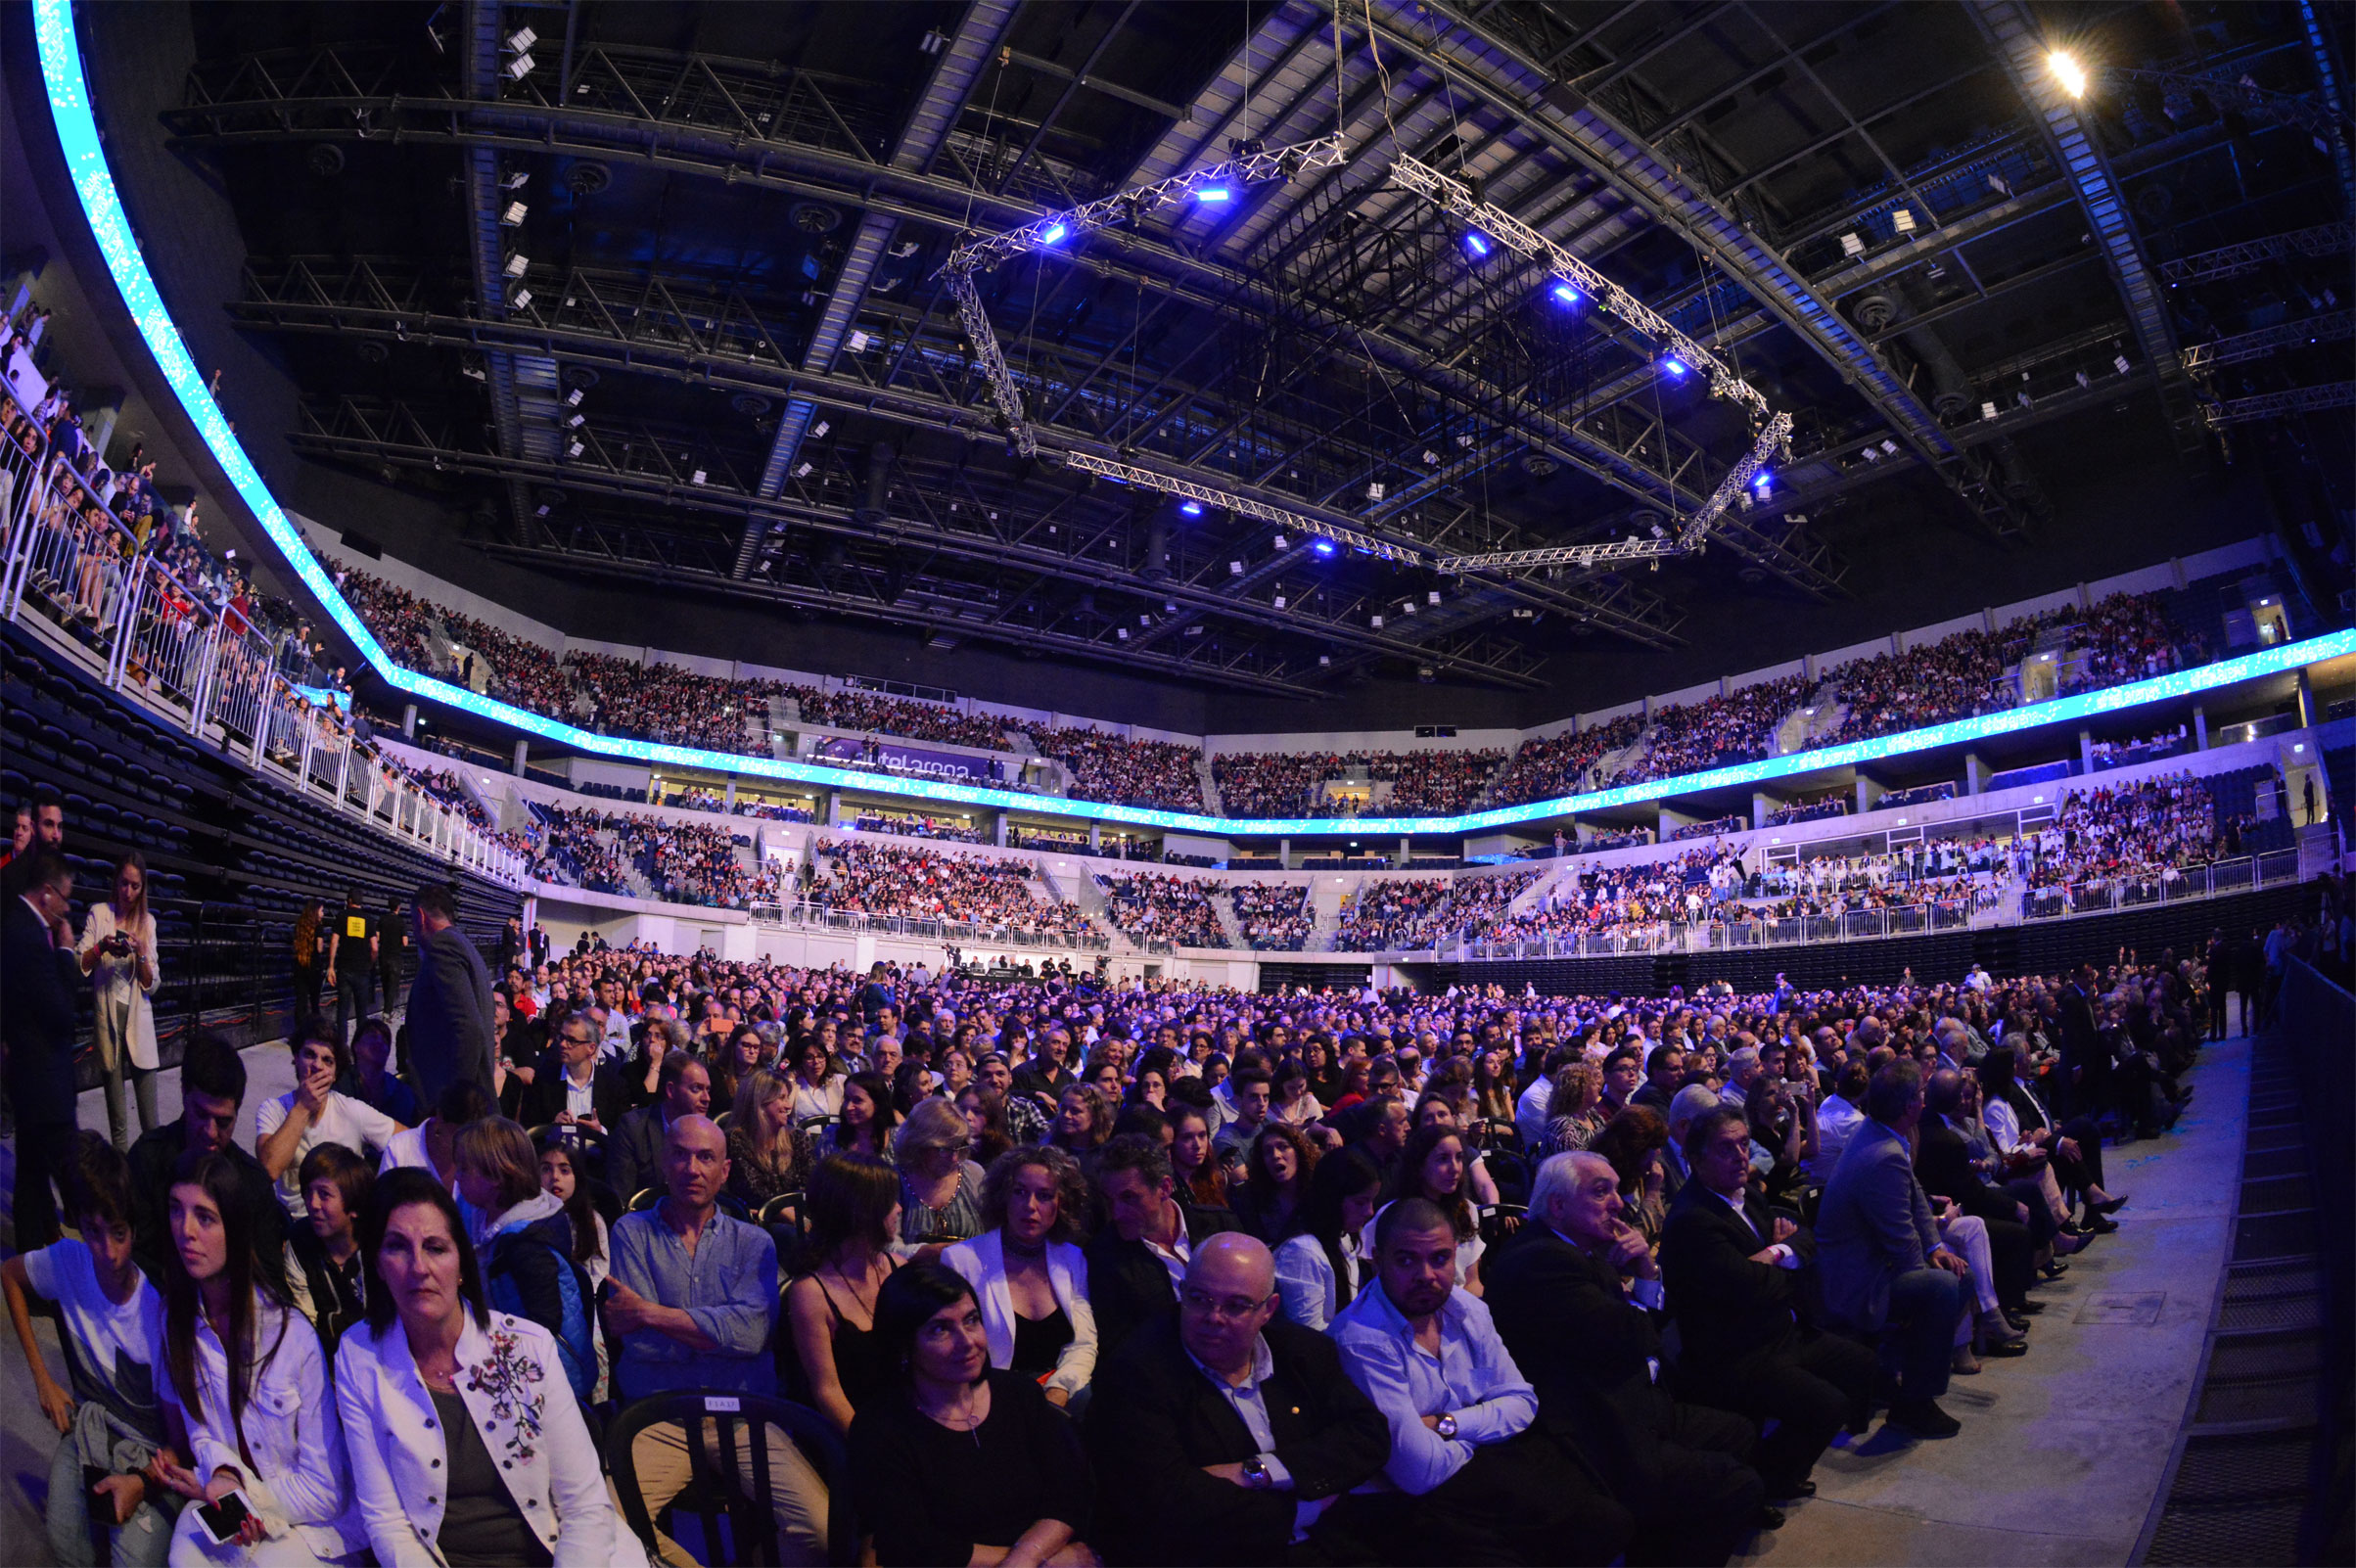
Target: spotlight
1056, 234
520, 68
513, 217
1477, 242
1566, 294
1763, 481
517, 263
1214, 193
2067, 72
1191, 508
1902, 219
523, 298
522, 39
1674, 365
1324, 546
2120, 364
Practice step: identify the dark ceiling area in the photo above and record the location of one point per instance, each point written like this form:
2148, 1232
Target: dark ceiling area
650, 298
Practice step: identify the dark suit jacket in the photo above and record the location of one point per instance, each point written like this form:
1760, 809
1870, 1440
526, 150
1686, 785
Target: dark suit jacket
633, 1154
1590, 1352
449, 1016
38, 984
154, 1159
1156, 1420
1127, 1284
1730, 1310
1873, 1225
1943, 1164
545, 1098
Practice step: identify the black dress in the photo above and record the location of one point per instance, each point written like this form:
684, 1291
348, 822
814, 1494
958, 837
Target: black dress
934, 1494
863, 1361
1038, 1343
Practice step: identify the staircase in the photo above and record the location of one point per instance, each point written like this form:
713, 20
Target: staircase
1225, 911
1627, 756
1202, 771
1325, 903
1498, 773
1802, 730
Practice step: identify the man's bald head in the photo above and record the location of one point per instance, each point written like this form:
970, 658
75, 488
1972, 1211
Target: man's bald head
1232, 1264
695, 1161
1228, 1298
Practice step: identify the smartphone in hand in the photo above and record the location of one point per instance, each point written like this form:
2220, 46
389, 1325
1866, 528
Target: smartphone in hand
222, 1520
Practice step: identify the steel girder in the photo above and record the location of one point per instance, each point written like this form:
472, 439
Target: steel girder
1583, 130
956, 72
2234, 260
2263, 344
485, 200
957, 522
2293, 401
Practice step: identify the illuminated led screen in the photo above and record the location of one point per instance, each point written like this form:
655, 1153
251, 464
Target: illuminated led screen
85, 162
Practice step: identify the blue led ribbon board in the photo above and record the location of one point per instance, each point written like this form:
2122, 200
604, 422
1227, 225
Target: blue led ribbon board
85, 161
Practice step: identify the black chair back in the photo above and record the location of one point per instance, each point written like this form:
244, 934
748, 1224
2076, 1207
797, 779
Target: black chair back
716, 1426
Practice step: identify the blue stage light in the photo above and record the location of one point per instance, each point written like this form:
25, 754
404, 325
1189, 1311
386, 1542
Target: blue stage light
1477, 242
1055, 235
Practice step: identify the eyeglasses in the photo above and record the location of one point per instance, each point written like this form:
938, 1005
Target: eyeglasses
1231, 1307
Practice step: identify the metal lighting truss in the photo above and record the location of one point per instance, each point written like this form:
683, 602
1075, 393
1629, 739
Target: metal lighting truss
2296, 401
992, 361
2233, 260
1243, 506
2330, 327
1248, 169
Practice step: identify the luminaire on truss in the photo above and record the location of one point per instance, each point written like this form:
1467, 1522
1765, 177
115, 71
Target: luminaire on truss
1241, 505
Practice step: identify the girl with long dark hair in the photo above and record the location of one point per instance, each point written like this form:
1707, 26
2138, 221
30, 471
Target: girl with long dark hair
1318, 1265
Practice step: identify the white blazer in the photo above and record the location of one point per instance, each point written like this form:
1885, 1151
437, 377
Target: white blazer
115, 984
513, 1385
982, 1260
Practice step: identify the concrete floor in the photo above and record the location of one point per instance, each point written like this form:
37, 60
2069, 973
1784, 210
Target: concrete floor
2061, 1451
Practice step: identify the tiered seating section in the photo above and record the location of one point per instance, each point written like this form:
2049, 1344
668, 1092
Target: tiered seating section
913, 884
1426, 783
1149, 906
1272, 918
1422, 911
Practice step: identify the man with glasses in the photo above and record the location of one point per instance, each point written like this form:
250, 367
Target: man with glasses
1238, 1430
570, 1086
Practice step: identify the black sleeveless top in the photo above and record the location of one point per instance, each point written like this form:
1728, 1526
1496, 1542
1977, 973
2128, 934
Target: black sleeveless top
1039, 1340
862, 1362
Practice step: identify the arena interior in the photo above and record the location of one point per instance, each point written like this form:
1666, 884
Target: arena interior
1506, 781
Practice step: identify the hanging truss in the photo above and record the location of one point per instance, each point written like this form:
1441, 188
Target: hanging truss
1004, 393
1242, 506
2294, 400
2233, 260
2330, 327
1253, 166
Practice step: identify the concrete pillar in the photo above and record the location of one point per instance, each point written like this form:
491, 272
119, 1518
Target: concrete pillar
997, 829
832, 817
1763, 807
1868, 794
1808, 667
2306, 702
2086, 750
732, 797
101, 408
1975, 774
1095, 837
1284, 853
409, 721
1405, 851
2200, 715
1670, 821
522, 747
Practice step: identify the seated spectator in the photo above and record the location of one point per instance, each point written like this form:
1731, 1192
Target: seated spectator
853, 1230
465, 1444
1434, 1167
1236, 1433
569, 1085
1136, 1262
371, 1080
311, 1113
560, 1178
818, 1080
1252, 1095
1194, 1161
1732, 1271
434, 1146
961, 1463
213, 1089
1276, 1177
326, 1275
693, 1300
523, 1238
1575, 1299
1318, 1265
1886, 1271
939, 1187
1485, 1488
635, 1156
1030, 1278
868, 1114
111, 1323
249, 1408
767, 1155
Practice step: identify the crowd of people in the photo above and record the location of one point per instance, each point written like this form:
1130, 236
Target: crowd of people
2156, 829
1151, 906
666, 703
1422, 783
1395, 915
574, 852
1547, 768
1105, 767
849, 708
1017, 1224
1717, 732
1832, 803
878, 879
1274, 917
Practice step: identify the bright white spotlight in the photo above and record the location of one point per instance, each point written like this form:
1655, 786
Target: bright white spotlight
1566, 294
2067, 72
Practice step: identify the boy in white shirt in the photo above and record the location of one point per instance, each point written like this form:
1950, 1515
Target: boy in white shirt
311, 1113
100, 1508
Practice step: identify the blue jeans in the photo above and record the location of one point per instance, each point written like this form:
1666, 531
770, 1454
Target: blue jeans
1925, 1305
140, 1543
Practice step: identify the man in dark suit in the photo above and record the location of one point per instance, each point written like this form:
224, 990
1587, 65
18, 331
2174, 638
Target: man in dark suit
2085, 1075
569, 1085
2016, 1228
39, 979
1136, 1262
1574, 1296
449, 1001
1732, 1269
633, 1159
1231, 1432
1884, 1269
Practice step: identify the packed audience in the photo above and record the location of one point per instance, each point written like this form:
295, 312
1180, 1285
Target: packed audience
1151, 906
1422, 783
1028, 1217
867, 711
1409, 912
666, 703
2151, 830
1273, 917
1105, 767
919, 884
1740, 728
1548, 768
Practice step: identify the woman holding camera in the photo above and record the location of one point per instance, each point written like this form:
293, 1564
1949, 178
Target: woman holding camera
117, 952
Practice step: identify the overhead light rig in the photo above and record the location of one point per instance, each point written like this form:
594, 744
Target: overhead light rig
1244, 506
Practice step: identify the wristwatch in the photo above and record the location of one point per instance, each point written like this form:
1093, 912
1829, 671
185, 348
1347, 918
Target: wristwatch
1255, 1474
1447, 1427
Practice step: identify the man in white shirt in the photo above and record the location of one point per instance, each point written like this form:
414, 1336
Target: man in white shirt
311, 1113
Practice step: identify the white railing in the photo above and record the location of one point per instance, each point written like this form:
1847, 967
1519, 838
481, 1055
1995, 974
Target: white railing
157, 643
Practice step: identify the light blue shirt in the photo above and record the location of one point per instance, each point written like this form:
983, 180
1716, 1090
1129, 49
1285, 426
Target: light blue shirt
1473, 1378
728, 1285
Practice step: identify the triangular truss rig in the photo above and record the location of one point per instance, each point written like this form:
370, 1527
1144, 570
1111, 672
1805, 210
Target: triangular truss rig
1771, 428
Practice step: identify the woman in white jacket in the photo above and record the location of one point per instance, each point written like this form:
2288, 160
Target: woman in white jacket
1031, 1281
247, 1387
466, 1444
117, 952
